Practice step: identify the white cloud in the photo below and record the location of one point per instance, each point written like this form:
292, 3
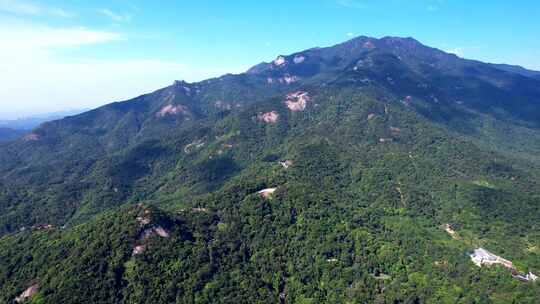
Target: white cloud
36, 79
20, 7
459, 51
114, 16
35, 38
350, 34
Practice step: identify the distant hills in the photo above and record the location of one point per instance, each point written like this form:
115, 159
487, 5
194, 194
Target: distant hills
365, 172
11, 129
30, 122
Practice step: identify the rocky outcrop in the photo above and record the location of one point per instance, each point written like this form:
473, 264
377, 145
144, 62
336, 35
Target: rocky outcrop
171, 110
27, 293
297, 101
269, 117
266, 193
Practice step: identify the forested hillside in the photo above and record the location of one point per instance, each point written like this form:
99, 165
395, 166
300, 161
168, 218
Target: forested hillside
7, 134
328, 175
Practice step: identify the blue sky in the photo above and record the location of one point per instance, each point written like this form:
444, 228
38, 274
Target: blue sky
57, 55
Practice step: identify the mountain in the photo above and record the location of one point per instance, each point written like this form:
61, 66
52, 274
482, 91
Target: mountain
7, 134
518, 70
365, 172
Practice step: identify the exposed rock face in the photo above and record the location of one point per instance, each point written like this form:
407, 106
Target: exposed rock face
448, 228
407, 100
143, 220
267, 193
220, 104
28, 293
161, 232
280, 60
288, 79
395, 130
138, 249
31, 137
286, 164
148, 230
158, 230
297, 101
371, 116
194, 145
171, 110
269, 117
199, 209
369, 45
299, 59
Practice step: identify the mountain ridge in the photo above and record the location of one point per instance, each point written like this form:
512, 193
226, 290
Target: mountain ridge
329, 183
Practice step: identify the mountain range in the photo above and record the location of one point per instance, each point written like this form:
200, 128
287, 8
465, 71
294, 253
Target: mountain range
364, 172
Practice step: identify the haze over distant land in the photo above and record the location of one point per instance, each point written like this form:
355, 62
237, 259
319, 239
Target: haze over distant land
24, 121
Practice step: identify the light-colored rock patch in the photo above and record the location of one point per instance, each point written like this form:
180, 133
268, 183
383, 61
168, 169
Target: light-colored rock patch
194, 145
171, 110
28, 293
286, 163
369, 45
407, 100
266, 193
297, 101
161, 232
143, 220
138, 249
150, 232
269, 117
448, 228
220, 104
31, 137
371, 116
288, 79
199, 209
280, 60
299, 59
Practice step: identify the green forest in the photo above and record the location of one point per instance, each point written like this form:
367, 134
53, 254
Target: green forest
125, 204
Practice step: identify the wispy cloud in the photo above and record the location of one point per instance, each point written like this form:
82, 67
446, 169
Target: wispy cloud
351, 3
350, 34
40, 38
20, 7
115, 16
459, 51
432, 8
